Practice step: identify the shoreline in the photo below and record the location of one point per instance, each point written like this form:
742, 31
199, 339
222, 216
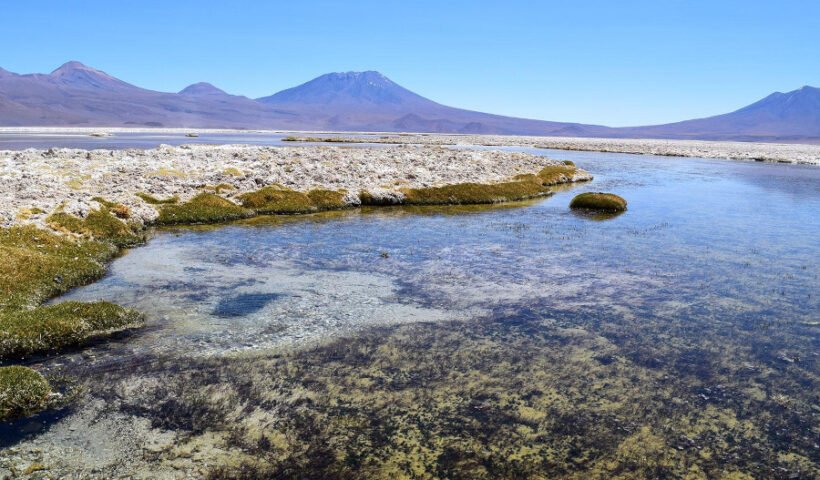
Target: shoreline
36, 183
794, 153
66, 213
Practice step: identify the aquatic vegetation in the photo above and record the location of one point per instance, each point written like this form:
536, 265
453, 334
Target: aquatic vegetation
532, 395
66, 324
276, 199
98, 225
599, 201
22, 391
474, 193
569, 163
157, 201
204, 208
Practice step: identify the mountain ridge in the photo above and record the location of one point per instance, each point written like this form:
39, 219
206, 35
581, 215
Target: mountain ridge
76, 94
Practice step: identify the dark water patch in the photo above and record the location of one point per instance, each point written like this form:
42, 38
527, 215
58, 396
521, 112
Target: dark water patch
14, 431
243, 304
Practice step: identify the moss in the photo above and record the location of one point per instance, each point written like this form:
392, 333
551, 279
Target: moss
119, 210
327, 199
556, 174
23, 391
99, 225
167, 172
474, 193
569, 163
217, 188
54, 327
599, 201
38, 264
290, 138
204, 208
157, 201
276, 199
234, 172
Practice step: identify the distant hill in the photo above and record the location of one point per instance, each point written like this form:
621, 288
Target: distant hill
369, 101
78, 95
779, 117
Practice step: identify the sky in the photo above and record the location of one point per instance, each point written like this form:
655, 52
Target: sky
617, 63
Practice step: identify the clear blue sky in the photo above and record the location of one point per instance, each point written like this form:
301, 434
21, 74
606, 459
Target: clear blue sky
610, 62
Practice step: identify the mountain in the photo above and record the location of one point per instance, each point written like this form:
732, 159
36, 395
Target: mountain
202, 88
77, 95
792, 116
369, 101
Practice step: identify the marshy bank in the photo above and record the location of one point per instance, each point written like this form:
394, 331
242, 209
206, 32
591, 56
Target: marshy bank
431, 341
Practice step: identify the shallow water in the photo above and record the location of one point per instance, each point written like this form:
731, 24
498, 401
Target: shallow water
712, 271
145, 140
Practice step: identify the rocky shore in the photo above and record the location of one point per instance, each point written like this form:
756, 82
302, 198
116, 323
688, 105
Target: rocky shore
36, 183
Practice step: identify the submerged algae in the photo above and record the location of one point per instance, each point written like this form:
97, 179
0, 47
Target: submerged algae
516, 397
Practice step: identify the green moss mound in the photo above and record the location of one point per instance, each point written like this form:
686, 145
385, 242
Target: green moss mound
276, 199
38, 264
100, 225
23, 391
204, 208
158, 201
327, 199
475, 193
556, 174
66, 324
599, 201
569, 163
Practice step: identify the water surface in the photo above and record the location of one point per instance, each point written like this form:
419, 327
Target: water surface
688, 324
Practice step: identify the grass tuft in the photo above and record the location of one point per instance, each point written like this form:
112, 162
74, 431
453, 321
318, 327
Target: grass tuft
38, 265
23, 391
67, 324
327, 199
98, 225
204, 208
475, 193
556, 174
276, 199
157, 201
